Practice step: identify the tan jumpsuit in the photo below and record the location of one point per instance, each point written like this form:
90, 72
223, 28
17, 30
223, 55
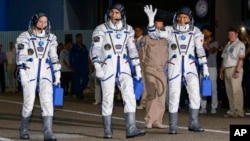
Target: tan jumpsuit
153, 55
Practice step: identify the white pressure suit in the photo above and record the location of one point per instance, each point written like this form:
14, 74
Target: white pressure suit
181, 66
39, 67
185, 45
112, 50
36, 56
114, 55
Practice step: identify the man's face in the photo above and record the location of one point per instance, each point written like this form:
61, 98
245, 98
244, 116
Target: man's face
42, 22
79, 39
232, 36
159, 25
138, 32
206, 33
115, 15
183, 19
11, 46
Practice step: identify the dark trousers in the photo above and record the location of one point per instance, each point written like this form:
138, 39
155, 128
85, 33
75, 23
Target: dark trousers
183, 98
80, 82
246, 89
222, 95
65, 81
2, 78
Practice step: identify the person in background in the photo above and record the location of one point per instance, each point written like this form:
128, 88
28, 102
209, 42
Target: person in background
112, 47
3, 60
141, 104
245, 38
66, 70
153, 56
98, 91
185, 42
60, 48
11, 67
138, 35
211, 46
231, 71
79, 62
36, 53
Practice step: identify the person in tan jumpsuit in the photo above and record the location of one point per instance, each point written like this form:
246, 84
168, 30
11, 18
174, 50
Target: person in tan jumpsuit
153, 55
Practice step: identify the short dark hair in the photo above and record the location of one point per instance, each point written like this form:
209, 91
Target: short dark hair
207, 27
78, 34
158, 19
233, 29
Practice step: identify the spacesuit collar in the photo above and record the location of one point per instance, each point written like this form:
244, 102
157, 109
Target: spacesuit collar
38, 34
116, 26
183, 28
41, 34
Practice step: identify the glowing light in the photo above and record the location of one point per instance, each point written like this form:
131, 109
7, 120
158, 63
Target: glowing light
243, 28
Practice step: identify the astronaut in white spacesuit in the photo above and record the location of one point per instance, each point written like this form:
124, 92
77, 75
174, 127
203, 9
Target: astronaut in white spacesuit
36, 60
184, 41
112, 47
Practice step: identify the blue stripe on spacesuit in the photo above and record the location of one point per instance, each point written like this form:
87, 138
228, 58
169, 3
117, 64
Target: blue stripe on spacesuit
108, 57
174, 56
21, 66
38, 74
130, 64
191, 73
173, 77
32, 80
47, 61
183, 80
46, 79
30, 60
125, 73
32, 39
177, 32
118, 67
107, 77
151, 30
190, 56
118, 70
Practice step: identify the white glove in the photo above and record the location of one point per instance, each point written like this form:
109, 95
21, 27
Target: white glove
57, 78
23, 77
148, 9
138, 72
98, 71
205, 70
